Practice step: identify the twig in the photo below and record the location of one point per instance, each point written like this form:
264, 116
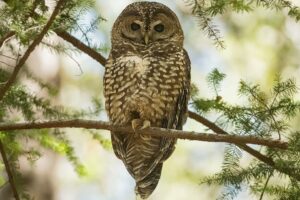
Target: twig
77, 63
7, 36
206, 123
9, 172
6, 64
9, 57
80, 45
265, 185
153, 131
31, 47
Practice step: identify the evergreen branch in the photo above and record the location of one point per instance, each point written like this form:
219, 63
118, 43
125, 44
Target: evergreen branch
31, 47
153, 131
80, 45
267, 160
71, 39
206, 123
32, 12
9, 172
219, 130
205, 21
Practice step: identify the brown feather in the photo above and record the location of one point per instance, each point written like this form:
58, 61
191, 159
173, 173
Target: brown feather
149, 82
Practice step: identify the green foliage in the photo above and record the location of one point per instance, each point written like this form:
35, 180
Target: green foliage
58, 142
263, 115
26, 19
214, 79
206, 11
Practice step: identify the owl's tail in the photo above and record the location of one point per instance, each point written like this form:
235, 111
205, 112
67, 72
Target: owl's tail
146, 186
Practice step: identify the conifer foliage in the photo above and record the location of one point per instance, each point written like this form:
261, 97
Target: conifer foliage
26, 24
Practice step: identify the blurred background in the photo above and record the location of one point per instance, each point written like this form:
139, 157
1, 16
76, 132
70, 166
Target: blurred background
259, 45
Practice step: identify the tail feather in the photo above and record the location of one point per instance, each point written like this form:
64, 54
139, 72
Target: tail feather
138, 197
146, 186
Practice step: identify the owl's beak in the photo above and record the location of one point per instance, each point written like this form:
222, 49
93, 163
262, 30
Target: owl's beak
146, 38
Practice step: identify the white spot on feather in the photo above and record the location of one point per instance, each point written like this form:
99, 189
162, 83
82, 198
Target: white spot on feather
140, 64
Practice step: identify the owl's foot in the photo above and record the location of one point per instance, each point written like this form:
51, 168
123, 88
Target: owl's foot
146, 124
138, 124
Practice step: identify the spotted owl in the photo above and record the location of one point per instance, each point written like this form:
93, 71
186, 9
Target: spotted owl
146, 83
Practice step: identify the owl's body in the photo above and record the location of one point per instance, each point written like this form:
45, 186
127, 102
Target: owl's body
148, 81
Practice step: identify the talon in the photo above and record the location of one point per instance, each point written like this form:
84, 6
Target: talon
135, 124
146, 124
138, 124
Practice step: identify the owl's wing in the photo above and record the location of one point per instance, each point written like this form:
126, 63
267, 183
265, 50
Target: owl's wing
119, 141
178, 115
175, 120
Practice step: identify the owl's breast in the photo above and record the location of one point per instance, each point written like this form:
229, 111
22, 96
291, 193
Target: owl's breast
146, 85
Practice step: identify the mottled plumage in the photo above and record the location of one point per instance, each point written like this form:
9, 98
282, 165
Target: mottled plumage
147, 77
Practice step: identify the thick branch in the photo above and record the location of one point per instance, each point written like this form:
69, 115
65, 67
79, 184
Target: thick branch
9, 172
80, 45
31, 47
160, 132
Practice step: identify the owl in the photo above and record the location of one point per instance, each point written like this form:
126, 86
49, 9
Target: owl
146, 83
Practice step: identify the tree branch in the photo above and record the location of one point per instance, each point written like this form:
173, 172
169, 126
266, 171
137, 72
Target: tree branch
80, 45
153, 131
9, 172
219, 130
267, 160
31, 47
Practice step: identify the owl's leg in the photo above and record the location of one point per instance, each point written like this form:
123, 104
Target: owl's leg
138, 124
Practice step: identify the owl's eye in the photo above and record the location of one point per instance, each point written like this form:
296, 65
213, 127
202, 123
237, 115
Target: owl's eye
159, 28
134, 26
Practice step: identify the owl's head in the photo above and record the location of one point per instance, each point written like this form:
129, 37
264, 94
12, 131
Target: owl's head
144, 23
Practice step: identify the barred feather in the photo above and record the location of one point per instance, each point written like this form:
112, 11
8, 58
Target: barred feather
148, 82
